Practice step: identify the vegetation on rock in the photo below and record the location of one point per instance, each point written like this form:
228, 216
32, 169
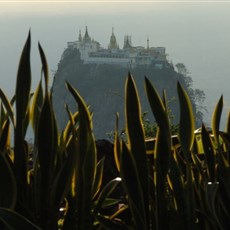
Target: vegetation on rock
101, 86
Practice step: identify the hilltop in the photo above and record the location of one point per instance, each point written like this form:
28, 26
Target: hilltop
102, 87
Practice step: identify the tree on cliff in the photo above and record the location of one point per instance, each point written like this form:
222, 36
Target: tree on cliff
197, 96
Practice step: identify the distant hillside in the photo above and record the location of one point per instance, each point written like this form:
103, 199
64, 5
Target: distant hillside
102, 87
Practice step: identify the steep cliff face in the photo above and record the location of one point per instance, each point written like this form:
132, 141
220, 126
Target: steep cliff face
102, 87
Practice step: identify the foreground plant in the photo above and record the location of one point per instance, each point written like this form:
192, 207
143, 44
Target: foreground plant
167, 182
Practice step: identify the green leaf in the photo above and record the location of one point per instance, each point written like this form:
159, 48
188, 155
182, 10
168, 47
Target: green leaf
117, 145
44, 67
186, 136
98, 177
179, 192
62, 181
7, 184
209, 154
111, 224
47, 153
132, 186
211, 196
228, 123
36, 107
187, 126
157, 107
136, 140
23, 89
86, 163
106, 192
68, 129
15, 221
216, 119
47, 141
162, 149
5, 137
163, 145
22, 97
8, 107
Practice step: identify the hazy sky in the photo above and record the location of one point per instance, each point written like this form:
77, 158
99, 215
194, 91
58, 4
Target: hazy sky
196, 33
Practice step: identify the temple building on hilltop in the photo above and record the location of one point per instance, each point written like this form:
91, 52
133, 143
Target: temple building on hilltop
129, 56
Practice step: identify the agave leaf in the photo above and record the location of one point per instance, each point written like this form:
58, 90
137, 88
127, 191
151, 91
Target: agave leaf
5, 136
223, 195
86, 165
47, 141
162, 149
209, 154
44, 67
186, 136
36, 107
132, 186
157, 106
117, 145
216, 119
15, 221
110, 202
190, 201
46, 138
111, 224
22, 97
7, 105
187, 126
160, 175
211, 196
2, 115
62, 181
68, 129
7, 184
136, 140
23, 88
105, 193
98, 177
179, 192
160, 113
228, 123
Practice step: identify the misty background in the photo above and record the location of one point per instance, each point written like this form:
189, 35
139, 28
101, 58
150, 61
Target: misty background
194, 33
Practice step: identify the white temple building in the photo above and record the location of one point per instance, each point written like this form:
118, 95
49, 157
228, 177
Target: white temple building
129, 56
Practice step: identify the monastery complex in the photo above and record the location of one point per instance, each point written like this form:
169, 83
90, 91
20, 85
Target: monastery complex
129, 56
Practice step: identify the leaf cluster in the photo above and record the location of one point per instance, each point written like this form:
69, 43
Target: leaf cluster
166, 182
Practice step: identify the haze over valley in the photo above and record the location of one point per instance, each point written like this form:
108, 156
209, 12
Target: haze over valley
194, 33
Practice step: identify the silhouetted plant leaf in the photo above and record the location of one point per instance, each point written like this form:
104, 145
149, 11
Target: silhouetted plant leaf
98, 177
209, 154
216, 119
187, 126
136, 140
7, 184
15, 221
111, 224
44, 67
117, 145
132, 186
105, 193
47, 141
162, 149
8, 106
36, 107
22, 97
5, 137
86, 163
23, 89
